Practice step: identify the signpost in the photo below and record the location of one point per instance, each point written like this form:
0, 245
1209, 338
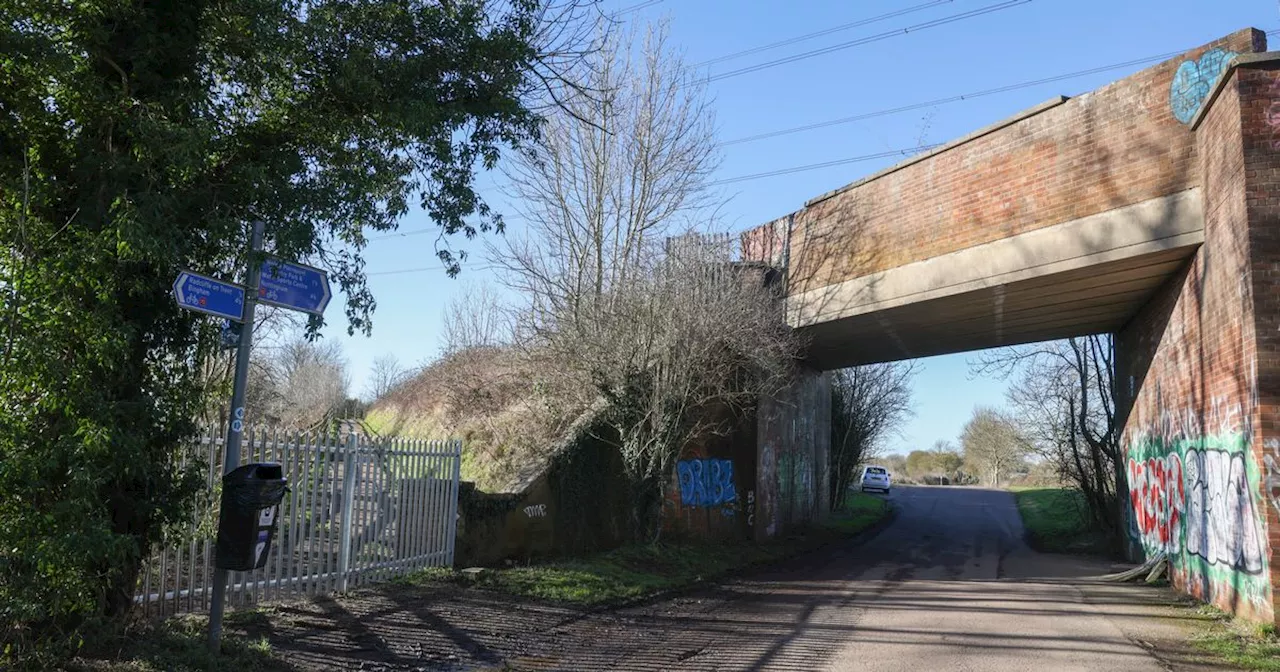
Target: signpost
207, 295
291, 285
276, 282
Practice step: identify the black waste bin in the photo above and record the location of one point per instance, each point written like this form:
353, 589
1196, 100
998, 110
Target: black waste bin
251, 498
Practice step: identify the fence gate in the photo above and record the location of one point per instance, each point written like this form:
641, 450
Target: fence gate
357, 510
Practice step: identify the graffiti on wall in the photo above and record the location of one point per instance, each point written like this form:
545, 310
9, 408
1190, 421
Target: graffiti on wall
751, 508
1193, 489
536, 510
795, 478
706, 482
769, 491
1271, 460
1193, 81
1198, 502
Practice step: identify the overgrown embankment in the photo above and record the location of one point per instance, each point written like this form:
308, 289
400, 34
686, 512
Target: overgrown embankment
487, 397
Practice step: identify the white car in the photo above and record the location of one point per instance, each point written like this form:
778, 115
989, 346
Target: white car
875, 478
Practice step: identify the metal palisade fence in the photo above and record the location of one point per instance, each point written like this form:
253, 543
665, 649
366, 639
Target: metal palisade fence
358, 509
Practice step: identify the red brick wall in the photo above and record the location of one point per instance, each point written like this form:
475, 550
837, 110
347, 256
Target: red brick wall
1112, 147
712, 489
1259, 95
1195, 431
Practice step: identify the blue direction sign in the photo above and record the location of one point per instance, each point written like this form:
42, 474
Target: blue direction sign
207, 295
290, 285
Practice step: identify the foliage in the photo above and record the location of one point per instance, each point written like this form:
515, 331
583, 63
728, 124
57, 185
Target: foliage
993, 447
1064, 395
867, 404
857, 512
181, 645
1057, 520
1246, 645
640, 570
141, 138
935, 466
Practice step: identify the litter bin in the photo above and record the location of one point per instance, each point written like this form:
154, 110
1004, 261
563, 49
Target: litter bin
251, 498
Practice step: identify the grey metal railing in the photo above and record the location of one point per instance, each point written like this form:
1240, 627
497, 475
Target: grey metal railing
358, 509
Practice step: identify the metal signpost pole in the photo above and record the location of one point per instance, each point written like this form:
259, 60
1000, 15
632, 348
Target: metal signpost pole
231, 460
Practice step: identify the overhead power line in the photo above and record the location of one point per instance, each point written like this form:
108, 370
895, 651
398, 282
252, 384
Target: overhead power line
809, 36
948, 99
636, 7
828, 164
974, 13
959, 97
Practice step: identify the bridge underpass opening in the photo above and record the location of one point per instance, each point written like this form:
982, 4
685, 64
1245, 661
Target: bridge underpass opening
1149, 208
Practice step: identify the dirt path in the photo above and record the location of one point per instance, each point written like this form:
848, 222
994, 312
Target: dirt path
949, 585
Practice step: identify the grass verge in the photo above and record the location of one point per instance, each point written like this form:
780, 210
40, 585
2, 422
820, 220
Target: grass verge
179, 644
1250, 646
1056, 521
633, 572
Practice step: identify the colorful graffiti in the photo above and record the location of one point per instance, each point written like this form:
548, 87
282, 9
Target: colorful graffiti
1193, 81
706, 482
1193, 499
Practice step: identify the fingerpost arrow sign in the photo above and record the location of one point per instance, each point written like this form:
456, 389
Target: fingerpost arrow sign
292, 285
207, 295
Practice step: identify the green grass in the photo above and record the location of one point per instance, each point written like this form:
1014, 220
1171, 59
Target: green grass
1251, 646
1056, 520
179, 645
633, 572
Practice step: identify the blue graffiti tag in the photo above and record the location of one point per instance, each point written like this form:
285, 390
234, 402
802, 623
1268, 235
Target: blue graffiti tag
706, 482
1192, 81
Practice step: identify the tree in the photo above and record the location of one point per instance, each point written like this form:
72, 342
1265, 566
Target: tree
387, 373
303, 385
992, 445
143, 138
615, 174
658, 331
867, 404
1064, 393
476, 318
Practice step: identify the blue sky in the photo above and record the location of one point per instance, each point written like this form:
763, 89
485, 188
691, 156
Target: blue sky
1024, 42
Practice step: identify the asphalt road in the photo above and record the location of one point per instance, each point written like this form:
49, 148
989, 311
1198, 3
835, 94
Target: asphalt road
947, 585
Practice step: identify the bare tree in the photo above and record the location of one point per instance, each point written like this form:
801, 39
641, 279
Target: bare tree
303, 384
387, 373
676, 354
992, 445
1064, 394
615, 174
476, 318
867, 404
661, 335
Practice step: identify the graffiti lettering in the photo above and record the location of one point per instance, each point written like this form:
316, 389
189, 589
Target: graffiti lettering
1192, 81
1222, 524
536, 510
751, 508
1202, 506
1273, 115
1156, 494
706, 482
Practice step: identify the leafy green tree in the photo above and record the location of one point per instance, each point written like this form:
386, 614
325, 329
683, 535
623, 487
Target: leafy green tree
141, 138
